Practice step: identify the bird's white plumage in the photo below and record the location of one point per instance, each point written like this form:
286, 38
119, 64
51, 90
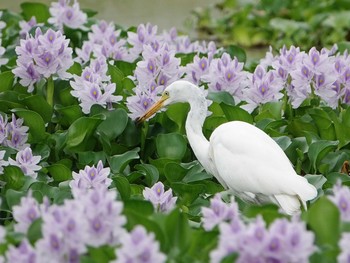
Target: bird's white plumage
242, 157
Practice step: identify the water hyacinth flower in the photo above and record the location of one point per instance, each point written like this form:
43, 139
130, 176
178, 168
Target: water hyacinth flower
94, 86
2, 161
27, 162
344, 242
3, 61
91, 177
218, 212
194, 71
163, 201
284, 241
145, 34
226, 74
26, 26
139, 247
63, 14
341, 198
13, 134
42, 56
23, 253
26, 213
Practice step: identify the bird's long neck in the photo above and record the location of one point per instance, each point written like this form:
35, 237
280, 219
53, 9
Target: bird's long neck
194, 125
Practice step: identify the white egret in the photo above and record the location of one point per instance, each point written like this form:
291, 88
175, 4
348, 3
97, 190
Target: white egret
243, 158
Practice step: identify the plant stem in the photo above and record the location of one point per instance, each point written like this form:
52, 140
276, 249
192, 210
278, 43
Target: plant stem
50, 91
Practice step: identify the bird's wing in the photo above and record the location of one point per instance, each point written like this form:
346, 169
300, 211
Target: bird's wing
248, 160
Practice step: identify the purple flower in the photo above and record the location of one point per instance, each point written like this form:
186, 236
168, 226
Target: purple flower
91, 177
94, 87
263, 87
145, 34
218, 212
284, 241
341, 198
194, 71
2, 161
226, 74
42, 56
26, 213
24, 253
317, 62
163, 201
27, 162
3, 61
103, 216
13, 134
344, 242
26, 26
139, 247
62, 14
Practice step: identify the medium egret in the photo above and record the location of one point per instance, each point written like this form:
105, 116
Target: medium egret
243, 158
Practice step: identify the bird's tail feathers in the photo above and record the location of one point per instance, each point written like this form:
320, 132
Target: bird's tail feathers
289, 203
306, 191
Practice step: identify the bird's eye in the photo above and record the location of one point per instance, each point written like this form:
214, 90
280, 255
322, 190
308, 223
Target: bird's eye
166, 93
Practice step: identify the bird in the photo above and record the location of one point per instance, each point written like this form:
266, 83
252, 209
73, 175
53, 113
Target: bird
244, 159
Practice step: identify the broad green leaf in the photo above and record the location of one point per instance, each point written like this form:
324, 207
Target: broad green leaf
268, 212
196, 177
236, 51
126, 68
59, 172
177, 230
221, 97
188, 192
174, 172
39, 10
38, 104
116, 74
14, 177
171, 145
324, 124
91, 157
324, 219
119, 162
101, 254
150, 172
35, 123
34, 231
318, 150
6, 80
13, 197
142, 207
81, 130
235, 113
69, 114
114, 124
178, 114
123, 186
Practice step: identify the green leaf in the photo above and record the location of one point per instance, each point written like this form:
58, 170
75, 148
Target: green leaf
69, 114
222, 96
116, 74
177, 230
268, 212
238, 52
174, 172
195, 177
114, 124
123, 186
318, 150
324, 219
178, 114
6, 80
150, 172
171, 146
81, 130
119, 162
38, 104
101, 254
34, 231
324, 124
39, 10
60, 172
235, 113
13, 197
14, 177
142, 207
188, 192
35, 123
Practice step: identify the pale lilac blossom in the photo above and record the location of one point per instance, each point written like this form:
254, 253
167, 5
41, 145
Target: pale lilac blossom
139, 247
341, 198
218, 212
26, 213
145, 34
64, 14
344, 256
163, 201
3, 61
27, 26
24, 253
27, 162
91, 177
13, 134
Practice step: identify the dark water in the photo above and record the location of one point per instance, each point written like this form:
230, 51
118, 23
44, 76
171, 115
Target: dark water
164, 13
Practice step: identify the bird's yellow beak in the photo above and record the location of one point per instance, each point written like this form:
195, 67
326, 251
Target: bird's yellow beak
155, 107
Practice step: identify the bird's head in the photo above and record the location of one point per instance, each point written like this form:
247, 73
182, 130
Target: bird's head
178, 91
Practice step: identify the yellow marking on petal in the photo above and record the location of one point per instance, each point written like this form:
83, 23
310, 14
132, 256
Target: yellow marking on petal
158, 190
